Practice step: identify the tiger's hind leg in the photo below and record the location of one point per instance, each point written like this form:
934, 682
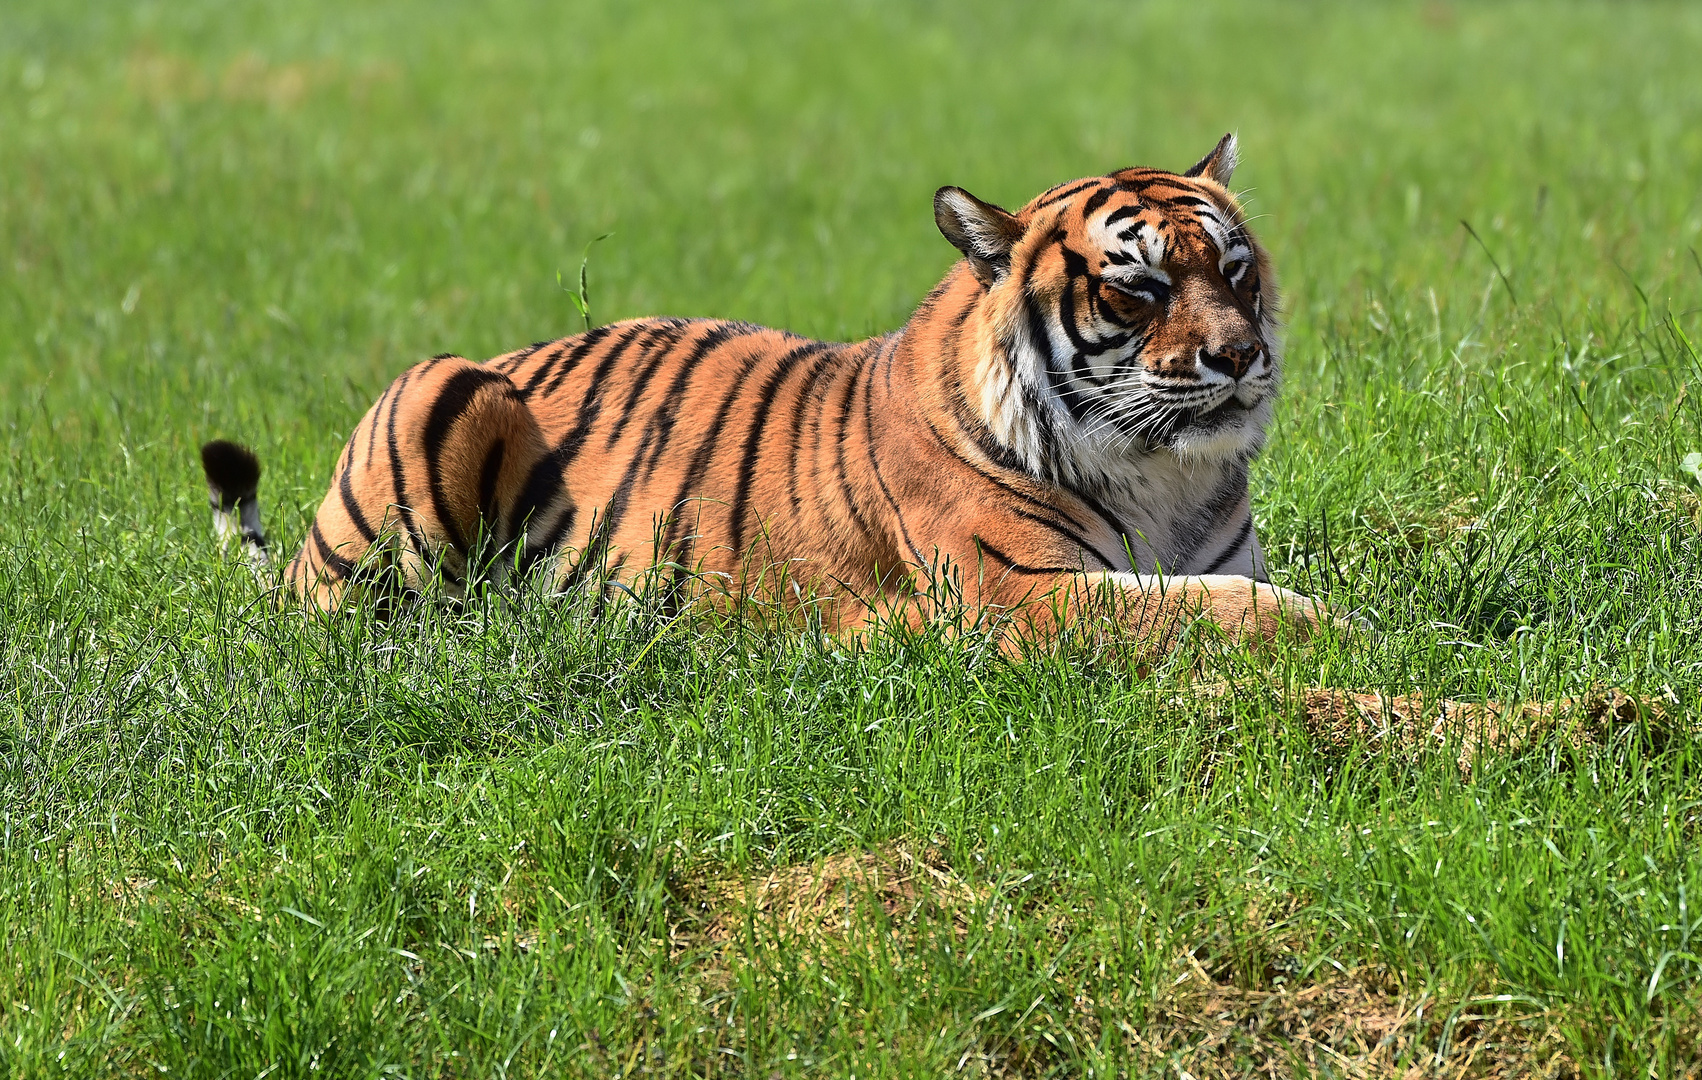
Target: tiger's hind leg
431, 484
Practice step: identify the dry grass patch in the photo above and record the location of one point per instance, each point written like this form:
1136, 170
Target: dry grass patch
831, 896
1361, 1023
1415, 723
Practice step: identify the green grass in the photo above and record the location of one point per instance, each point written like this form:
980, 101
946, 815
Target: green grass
507, 840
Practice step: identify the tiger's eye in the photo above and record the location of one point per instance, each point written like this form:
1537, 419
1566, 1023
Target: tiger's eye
1146, 290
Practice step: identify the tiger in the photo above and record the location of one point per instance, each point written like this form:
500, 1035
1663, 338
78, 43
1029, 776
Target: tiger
1059, 436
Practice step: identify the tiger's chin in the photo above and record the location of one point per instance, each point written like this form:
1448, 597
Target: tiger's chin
1230, 432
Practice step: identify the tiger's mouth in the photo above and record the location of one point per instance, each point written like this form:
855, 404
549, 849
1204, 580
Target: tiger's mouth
1236, 402
1161, 420
1231, 410
1229, 413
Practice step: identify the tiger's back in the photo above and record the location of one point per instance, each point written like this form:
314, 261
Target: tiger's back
704, 444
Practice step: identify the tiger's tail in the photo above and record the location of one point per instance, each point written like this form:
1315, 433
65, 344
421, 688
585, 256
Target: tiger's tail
233, 484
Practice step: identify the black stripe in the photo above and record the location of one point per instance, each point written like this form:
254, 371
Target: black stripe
970, 302
508, 364
991, 448
1055, 378
660, 353
1121, 213
1076, 540
1096, 200
1075, 266
1016, 567
1110, 519
552, 352
753, 437
488, 474
662, 424
844, 422
1037, 329
1186, 200
1079, 366
347, 457
1083, 371
561, 365
1041, 414
571, 361
454, 398
869, 438
926, 307
705, 452
377, 411
591, 405
982, 437
329, 559
542, 544
1059, 196
889, 346
397, 480
801, 409
346, 489
1235, 546
542, 484
1194, 528
615, 512
974, 428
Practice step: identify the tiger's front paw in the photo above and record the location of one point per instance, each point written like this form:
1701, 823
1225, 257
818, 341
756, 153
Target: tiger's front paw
1259, 612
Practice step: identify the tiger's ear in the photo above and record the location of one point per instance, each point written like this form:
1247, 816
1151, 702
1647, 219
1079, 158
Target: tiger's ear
1219, 165
983, 232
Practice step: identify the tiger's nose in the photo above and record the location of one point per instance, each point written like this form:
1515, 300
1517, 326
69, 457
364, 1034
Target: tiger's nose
1232, 360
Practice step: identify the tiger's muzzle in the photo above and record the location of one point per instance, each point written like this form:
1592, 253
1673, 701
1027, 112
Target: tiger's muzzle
1232, 361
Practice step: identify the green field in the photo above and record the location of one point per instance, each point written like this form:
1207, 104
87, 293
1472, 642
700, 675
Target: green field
519, 839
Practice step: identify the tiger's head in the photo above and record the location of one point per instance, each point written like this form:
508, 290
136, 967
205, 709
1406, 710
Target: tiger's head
1134, 314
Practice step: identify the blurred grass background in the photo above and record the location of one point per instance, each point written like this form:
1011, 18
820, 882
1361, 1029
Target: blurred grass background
241, 219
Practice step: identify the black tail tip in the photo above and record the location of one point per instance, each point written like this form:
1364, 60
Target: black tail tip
233, 472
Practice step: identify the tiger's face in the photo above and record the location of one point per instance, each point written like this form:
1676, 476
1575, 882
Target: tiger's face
1137, 306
